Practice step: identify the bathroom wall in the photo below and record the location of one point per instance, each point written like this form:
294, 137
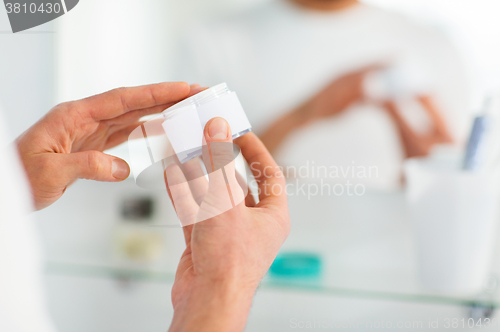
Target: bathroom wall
26, 74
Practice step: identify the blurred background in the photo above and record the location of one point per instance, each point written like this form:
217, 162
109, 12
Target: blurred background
111, 249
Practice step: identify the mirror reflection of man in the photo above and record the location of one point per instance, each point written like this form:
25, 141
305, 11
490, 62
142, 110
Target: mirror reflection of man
299, 67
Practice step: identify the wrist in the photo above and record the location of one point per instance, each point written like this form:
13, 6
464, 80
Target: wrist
213, 306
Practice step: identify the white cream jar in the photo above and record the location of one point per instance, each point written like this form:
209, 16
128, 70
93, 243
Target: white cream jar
184, 122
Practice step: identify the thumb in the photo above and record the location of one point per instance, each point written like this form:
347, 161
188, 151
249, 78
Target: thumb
224, 191
217, 145
95, 165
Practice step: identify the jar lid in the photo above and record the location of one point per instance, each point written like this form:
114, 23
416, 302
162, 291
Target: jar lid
197, 100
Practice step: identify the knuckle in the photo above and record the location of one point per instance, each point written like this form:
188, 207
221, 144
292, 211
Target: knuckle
93, 164
120, 92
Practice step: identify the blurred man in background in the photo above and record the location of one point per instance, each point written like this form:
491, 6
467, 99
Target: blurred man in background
300, 68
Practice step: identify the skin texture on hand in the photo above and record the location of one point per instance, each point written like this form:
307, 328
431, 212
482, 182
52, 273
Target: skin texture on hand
67, 143
227, 254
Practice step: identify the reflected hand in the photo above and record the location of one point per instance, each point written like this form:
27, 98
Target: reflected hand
67, 143
227, 253
330, 101
336, 97
415, 144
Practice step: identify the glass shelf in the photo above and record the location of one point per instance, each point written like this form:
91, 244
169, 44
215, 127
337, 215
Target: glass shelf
365, 244
138, 275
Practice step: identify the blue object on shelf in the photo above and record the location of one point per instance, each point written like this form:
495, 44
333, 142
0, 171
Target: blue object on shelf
474, 153
296, 265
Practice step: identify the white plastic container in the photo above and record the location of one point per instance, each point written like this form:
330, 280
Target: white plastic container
184, 122
455, 217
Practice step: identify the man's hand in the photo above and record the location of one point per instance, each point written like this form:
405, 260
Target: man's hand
67, 143
227, 253
415, 144
336, 97
332, 100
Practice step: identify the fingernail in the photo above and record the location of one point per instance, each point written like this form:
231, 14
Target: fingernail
120, 169
218, 129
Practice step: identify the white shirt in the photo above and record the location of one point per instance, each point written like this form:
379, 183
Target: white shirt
277, 55
22, 307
